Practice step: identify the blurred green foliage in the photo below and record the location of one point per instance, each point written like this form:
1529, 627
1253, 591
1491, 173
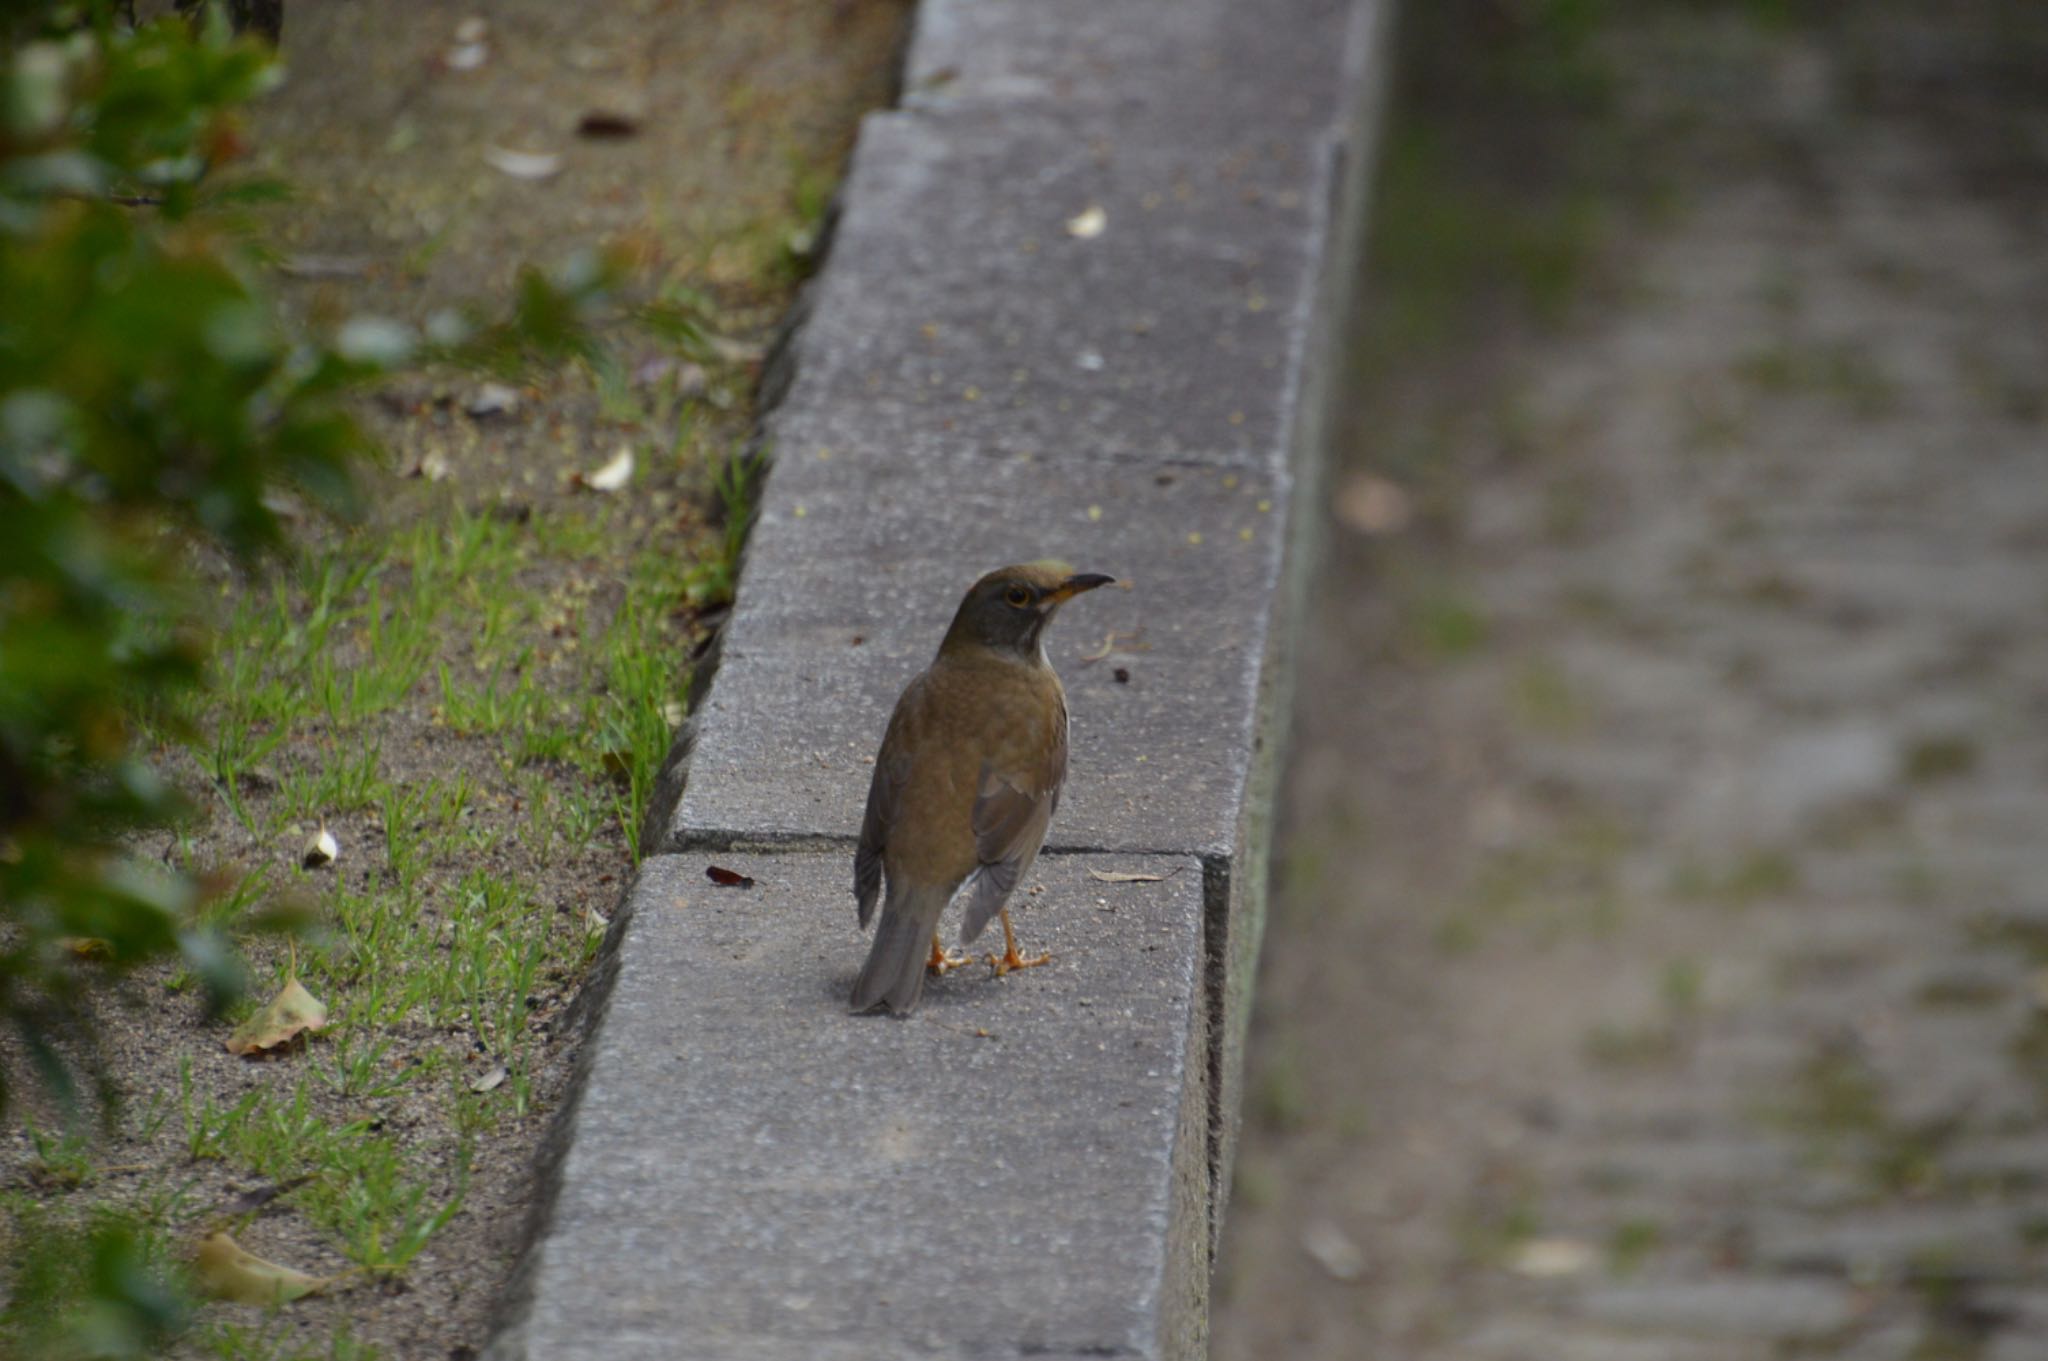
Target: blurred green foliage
154, 413
103, 1292
148, 400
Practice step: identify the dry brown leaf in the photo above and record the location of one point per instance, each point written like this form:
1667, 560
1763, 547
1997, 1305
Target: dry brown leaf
607, 123
228, 1271
1120, 877
290, 1013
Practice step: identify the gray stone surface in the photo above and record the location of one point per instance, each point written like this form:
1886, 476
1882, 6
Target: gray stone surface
1254, 69
1689, 919
862, 562
1970, 1240
976, 384
1081, 301
749, 1172
962, 320
1765, 1308
1164, 336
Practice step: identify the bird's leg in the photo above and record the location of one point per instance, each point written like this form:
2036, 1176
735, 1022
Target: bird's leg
1011, 959
942, 960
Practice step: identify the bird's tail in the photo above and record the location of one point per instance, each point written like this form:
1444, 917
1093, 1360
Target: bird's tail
894, 973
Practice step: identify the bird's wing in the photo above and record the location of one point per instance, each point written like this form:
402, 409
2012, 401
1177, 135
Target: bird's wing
885, 792
1011, 812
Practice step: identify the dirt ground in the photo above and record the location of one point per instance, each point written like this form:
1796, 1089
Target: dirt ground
1656, 968
477, 804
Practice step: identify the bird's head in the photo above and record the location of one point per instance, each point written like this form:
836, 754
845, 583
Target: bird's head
1007, 610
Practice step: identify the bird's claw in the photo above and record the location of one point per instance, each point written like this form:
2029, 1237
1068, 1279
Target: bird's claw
1010, 960
944, 961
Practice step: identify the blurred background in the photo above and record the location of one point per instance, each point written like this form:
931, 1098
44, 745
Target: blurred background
1655, 967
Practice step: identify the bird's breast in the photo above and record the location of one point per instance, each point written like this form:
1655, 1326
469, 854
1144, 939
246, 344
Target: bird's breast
959, 719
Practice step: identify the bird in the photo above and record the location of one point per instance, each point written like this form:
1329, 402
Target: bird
965, 784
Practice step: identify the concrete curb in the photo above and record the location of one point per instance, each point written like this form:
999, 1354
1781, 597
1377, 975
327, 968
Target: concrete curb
1082, 301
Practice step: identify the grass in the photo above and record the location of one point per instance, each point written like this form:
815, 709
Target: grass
472, 703
472, 692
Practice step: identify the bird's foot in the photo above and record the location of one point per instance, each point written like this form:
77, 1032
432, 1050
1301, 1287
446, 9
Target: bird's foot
944, 961
1010, 961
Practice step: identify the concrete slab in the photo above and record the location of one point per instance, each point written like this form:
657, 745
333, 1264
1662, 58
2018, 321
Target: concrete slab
975, 309
1081, 302
1277, 66
749, 1172
854, 572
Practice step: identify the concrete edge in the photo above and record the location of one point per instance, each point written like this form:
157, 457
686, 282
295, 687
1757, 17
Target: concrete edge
1234, 884
1236, 902
585, 1019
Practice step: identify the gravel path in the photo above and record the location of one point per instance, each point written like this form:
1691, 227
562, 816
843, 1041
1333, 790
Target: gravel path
1658, 970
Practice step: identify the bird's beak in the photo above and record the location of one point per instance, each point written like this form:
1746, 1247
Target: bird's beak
1074, 585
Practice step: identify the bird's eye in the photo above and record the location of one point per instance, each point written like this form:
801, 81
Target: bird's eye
1019, 596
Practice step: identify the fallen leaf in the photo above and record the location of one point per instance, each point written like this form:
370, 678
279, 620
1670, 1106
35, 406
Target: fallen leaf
1087, 224
321, 849
1119, 877
1333, 1250
490, 1081
614, 475
493, 399
228, 1271
607, 123
377, 341
726, 878
731, 350
433, 466
523, 165
290, 1013
1545, 1258
1372, 505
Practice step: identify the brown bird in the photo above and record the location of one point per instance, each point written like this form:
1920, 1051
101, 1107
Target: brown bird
966, 782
